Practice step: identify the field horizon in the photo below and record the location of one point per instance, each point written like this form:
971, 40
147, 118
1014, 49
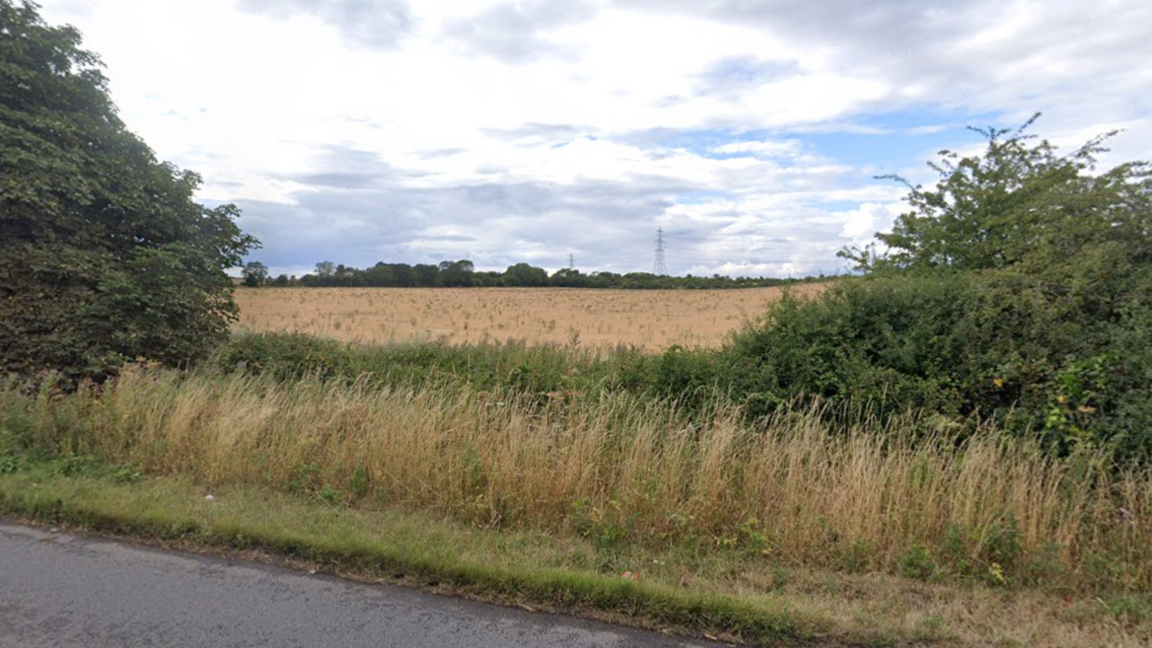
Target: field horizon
648, 319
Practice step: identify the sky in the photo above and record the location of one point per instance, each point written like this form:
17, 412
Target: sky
568, 131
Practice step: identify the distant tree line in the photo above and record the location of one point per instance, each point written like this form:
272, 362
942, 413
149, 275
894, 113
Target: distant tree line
462, 274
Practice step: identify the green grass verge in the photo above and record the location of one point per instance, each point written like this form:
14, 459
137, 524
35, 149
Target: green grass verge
686, 586
509, 567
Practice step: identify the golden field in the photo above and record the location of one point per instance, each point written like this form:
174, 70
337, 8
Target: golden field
650, 319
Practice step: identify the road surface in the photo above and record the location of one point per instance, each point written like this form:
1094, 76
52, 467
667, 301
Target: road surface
59, 589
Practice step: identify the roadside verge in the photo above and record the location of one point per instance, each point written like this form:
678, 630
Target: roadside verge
716, 594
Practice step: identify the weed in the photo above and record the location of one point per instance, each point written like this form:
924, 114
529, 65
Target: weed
305, 478
126, 475
917, 563
9, 464
72, 465
1002, 541
358, 483
330, 494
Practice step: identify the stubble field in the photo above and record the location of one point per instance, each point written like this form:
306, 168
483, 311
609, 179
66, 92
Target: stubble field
649, 319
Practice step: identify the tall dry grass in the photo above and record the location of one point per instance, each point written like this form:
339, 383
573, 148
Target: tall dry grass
620, 469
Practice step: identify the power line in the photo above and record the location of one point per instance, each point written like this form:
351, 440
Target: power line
659, 268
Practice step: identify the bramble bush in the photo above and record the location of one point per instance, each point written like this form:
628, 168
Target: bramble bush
964, 345
1017, 289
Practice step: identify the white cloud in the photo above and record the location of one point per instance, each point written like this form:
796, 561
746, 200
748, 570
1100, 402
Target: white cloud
784, 148
537, 129
861, 225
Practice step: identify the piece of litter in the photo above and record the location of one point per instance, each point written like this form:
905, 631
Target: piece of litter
210, 498
312, 571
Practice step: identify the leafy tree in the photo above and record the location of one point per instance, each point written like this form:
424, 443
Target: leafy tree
325, 269
1021, 207
425, 274
378, 275
1018, 205
255, 274
104, 255
455, 274
347, 276
523, 274
604, 280
489, 279
402, 274
569, 278
1019, 286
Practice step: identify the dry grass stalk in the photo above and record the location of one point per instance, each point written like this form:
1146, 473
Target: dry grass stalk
617, 465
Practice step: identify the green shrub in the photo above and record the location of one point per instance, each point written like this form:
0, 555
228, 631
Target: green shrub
1032, 355
918, 563
287, 356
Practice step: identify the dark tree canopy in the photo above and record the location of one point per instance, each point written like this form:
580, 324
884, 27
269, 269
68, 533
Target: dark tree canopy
523, 274
453, 274
255, 274
104, 254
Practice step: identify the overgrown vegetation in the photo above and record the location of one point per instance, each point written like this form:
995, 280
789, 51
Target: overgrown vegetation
1019, 288
621, 470
725, 592
575, 445
1004, 347
104, 256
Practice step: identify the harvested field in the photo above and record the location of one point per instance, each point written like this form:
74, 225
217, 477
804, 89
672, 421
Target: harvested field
651, 319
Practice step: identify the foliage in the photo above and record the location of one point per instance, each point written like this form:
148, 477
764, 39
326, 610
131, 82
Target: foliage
1019, 205
104, 255
544, 372
688, 376
523, 274
455, 274
255, 274
887, 343
462, 274
619, 469
325, 269
1018, 288
957, 344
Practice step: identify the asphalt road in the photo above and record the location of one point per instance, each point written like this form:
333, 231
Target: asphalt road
58, 589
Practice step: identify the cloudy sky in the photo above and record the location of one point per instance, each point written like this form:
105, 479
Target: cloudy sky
750, 131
